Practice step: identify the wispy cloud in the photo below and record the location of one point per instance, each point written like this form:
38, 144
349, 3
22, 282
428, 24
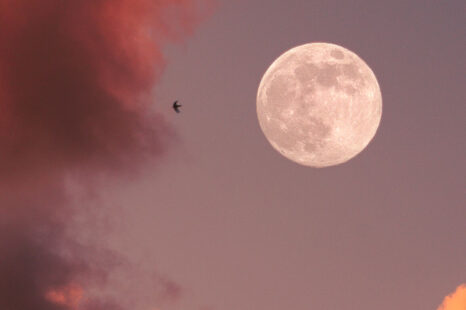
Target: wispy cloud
75, 85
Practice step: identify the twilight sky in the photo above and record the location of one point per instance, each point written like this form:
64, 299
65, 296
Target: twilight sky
243, 228
237, 226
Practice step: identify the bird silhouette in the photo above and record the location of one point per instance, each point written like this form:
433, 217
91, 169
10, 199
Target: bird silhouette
176, 106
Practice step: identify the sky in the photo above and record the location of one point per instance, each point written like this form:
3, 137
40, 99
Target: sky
201, 213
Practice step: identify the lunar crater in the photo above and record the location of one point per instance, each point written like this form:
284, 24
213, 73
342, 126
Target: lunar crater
319, 104
337, 54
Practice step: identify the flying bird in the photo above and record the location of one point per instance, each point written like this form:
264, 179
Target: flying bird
176, 106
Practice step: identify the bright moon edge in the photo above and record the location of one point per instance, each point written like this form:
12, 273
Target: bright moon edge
319, 104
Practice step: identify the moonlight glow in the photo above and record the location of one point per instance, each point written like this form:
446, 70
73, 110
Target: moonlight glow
319, 104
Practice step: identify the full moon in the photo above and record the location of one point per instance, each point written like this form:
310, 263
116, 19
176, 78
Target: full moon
319, 104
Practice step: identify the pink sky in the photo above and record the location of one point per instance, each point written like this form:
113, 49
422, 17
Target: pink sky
215, 218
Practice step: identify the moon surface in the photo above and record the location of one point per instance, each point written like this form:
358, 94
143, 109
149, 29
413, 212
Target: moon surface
319, 104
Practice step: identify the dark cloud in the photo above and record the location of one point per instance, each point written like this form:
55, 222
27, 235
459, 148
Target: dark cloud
75, 91
76, 81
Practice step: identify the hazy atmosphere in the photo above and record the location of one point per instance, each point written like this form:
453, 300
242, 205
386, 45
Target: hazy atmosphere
196, 210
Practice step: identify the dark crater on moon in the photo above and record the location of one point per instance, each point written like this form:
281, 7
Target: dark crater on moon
280, 90
327, 74
319, 130
310, 131
337, 54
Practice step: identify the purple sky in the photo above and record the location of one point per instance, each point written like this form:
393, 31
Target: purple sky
214, 218
241, 227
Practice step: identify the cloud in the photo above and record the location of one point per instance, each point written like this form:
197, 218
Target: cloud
69, 296
76, 79
455, 301
75, 98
